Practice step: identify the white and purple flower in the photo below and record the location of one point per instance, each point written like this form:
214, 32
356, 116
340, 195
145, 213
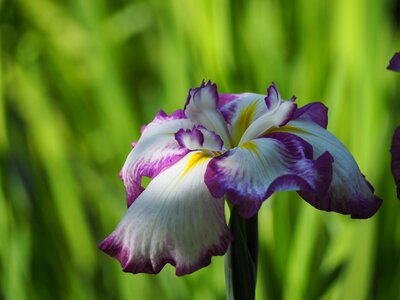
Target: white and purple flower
243, 147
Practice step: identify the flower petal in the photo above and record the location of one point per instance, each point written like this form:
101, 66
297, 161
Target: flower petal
201, 107
175, 220
199, 138
252, 172
156, 150
395, 151
278, 114
316, 112
394, 64
241, 112
349, 192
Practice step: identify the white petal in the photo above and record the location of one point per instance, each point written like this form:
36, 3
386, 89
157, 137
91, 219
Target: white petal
349, 192
175, 220
201, 108
156, 150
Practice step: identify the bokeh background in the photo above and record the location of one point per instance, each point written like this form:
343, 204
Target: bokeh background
79, 77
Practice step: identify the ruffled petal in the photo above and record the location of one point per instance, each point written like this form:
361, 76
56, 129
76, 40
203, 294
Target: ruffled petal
199, 138
202, 108
249, 174
394, 64
395, 151
279, 112
349, 192
315, 112
175, 220
155, 151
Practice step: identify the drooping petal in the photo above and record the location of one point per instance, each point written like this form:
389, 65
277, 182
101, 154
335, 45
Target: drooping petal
250, 173
349, 192
394, 64
395, 151
279, 112
316, 112
156, 150
175, 220
199, 138
202, 108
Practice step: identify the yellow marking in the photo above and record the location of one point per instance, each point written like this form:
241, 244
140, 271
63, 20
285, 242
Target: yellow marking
251, 146
286, 128
245, 119
195, 160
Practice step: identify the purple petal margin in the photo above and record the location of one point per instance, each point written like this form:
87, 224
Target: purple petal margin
316, 112
394, 64
312, 176
395, 165
273, 96
193, 134
114, 247
193, 92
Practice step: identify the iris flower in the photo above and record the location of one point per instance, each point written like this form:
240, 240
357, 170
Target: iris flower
394, 63
238, 147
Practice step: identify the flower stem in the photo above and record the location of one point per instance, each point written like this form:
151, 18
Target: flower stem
241, 258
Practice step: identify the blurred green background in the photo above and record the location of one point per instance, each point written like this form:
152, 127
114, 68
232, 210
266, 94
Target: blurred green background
79, 77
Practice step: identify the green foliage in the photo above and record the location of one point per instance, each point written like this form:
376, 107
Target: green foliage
79, 77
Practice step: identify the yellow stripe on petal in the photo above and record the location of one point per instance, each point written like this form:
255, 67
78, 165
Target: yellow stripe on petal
195, 160
245, 119
251, 146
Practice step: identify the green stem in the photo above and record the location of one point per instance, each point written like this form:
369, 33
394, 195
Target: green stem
241, 258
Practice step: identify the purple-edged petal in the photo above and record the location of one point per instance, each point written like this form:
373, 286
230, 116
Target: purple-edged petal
250, 173
278, 114
395, 151
155, 151
394, 64
316, 112
349, 192
175, 220
199, 138
202, 108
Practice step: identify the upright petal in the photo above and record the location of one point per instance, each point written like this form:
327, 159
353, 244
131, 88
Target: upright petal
241, 112
175, 220
395, 151
249, 174
156, 150
394, 64
349, 192
202, 108
278, 114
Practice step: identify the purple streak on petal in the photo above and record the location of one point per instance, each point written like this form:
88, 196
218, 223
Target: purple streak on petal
194, 135
133, 144
273, 97
395, 165
316, 112
226, 98
394, 64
